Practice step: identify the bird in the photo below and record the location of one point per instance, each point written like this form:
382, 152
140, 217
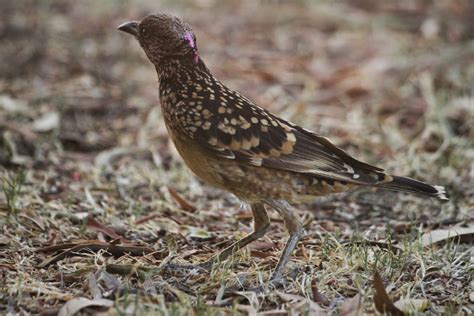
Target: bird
233, 144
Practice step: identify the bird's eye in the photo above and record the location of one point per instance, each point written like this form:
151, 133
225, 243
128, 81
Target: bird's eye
143, 31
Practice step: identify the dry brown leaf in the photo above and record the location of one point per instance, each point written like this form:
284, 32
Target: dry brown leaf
382, 301
7, 266
76, 304
58, 247
262, 245
95, 225
460, 233
95, 246
261, 254
317, 296
244, 215
182, 202
147, 218
352, 306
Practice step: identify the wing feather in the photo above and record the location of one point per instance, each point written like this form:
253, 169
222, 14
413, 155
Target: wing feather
251, 135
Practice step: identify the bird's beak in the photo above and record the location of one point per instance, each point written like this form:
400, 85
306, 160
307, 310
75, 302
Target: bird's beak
129, 27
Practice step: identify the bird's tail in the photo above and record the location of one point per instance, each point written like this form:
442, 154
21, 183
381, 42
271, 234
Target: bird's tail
416, 187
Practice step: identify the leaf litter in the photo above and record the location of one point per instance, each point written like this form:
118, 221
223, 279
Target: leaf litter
92, 211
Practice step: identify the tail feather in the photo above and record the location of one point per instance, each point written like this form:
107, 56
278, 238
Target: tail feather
416, 187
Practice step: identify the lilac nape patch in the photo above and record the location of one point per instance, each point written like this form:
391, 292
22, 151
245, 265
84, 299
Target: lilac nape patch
189, 37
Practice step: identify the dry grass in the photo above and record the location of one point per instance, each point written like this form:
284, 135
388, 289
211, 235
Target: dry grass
81, 137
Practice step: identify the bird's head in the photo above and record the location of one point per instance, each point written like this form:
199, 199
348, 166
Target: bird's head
163, 36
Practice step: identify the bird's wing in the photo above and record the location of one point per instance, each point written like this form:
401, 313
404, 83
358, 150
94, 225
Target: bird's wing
251, 135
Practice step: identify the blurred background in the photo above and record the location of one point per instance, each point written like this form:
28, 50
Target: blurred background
396, 75
389, 81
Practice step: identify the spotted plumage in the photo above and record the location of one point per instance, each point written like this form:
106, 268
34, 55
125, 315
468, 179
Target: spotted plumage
232, 143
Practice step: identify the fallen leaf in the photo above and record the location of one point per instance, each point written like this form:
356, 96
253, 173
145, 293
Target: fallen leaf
58, 247
4, 241
76, 304
182, 202
9, 104
95, 246
95, 225
126, 270
47, 122
382, 301
262, 245
317, 296
261, 254
459, 233
352, 306
249, 310
37, 221
287, 297
4, 266
410, 305
300, 304
106, 158
251, 297
200, 234
244, 215
94, 287
147, 218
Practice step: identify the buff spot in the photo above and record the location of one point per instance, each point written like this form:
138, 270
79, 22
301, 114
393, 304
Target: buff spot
234, 145
274, 152
246, 144
287, 147
291, 137
212, 141
255, 141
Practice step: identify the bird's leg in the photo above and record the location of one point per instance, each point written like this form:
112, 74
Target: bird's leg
295, 228
261, 225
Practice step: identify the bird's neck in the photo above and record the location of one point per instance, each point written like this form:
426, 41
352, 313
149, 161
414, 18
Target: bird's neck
173, 68
180, 80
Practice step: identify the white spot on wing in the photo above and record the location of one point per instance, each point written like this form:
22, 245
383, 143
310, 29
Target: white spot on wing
256, 161
349, 168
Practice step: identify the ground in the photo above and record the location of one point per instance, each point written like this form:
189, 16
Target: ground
95, 200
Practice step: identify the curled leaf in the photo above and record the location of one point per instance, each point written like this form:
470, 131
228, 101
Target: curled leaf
76, 304
382, 301
412, 305
459, 233
352, 306
185, 205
